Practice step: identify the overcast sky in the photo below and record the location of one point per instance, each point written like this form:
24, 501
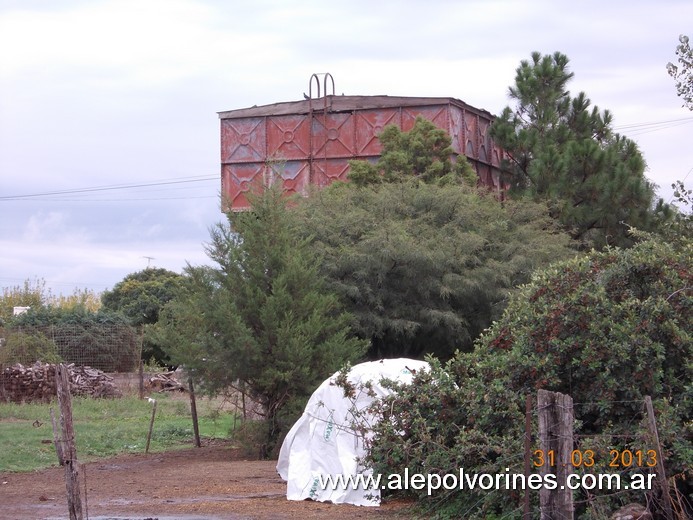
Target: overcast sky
107, 93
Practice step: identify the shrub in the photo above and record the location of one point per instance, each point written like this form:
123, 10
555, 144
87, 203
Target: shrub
608, 329
27, 348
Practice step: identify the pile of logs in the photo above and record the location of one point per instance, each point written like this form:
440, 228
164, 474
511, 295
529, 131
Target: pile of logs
19, 383
165, 381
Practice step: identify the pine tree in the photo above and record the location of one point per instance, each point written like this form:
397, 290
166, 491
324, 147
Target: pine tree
263, 317
564, 151
424, 152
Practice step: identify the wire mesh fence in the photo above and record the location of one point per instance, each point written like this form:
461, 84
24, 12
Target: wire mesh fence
106, 347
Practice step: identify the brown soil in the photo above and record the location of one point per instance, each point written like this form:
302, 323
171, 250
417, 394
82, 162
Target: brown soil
208, 483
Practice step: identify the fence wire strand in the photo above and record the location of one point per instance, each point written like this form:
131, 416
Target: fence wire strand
102, 346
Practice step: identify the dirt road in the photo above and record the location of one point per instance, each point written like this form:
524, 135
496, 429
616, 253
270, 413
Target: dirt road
208, 483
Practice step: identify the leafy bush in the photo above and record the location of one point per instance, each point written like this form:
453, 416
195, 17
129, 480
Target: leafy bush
608, 329
27, 348
440, 424
425, 153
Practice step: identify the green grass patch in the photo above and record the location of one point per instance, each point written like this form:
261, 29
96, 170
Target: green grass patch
105, 427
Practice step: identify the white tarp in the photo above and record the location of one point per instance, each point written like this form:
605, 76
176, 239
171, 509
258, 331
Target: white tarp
323, 442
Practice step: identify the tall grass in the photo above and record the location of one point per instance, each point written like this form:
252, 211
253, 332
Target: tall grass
103, 428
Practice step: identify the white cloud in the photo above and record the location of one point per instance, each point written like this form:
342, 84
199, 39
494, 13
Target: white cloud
66, 264
105, 92
49, 226
112, 44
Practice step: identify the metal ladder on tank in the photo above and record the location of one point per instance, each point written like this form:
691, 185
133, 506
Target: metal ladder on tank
311, 114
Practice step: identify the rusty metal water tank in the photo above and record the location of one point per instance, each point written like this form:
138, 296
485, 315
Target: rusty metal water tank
311, 141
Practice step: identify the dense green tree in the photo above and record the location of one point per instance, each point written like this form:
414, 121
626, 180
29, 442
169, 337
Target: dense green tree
562, 150
140, 296
424, 267
263, 317
577, 322
417, 253
683, 72
608, 329
424, 152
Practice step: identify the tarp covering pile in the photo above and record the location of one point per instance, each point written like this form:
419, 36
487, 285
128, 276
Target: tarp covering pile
323, 441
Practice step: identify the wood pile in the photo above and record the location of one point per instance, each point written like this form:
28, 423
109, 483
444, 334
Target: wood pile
165, 381
19, 383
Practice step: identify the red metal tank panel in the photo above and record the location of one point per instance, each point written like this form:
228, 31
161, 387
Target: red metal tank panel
288, 137
237, 180
333, 135
471, 125
484, 172
483, 156
369, 124
457, 130
243, 140
495, 155
485, 140
294, 175
436, 114
327, 171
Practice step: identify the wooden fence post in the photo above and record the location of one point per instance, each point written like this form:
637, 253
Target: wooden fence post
2, 383
661, 475
69, 452
141, 379
193, 411
151, 424
526, 514
56, 439
556, 443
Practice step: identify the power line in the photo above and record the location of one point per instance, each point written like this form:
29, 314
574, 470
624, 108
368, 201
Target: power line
686, 177
653, 126
130, 199
650, 123
633, 129
201, 178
